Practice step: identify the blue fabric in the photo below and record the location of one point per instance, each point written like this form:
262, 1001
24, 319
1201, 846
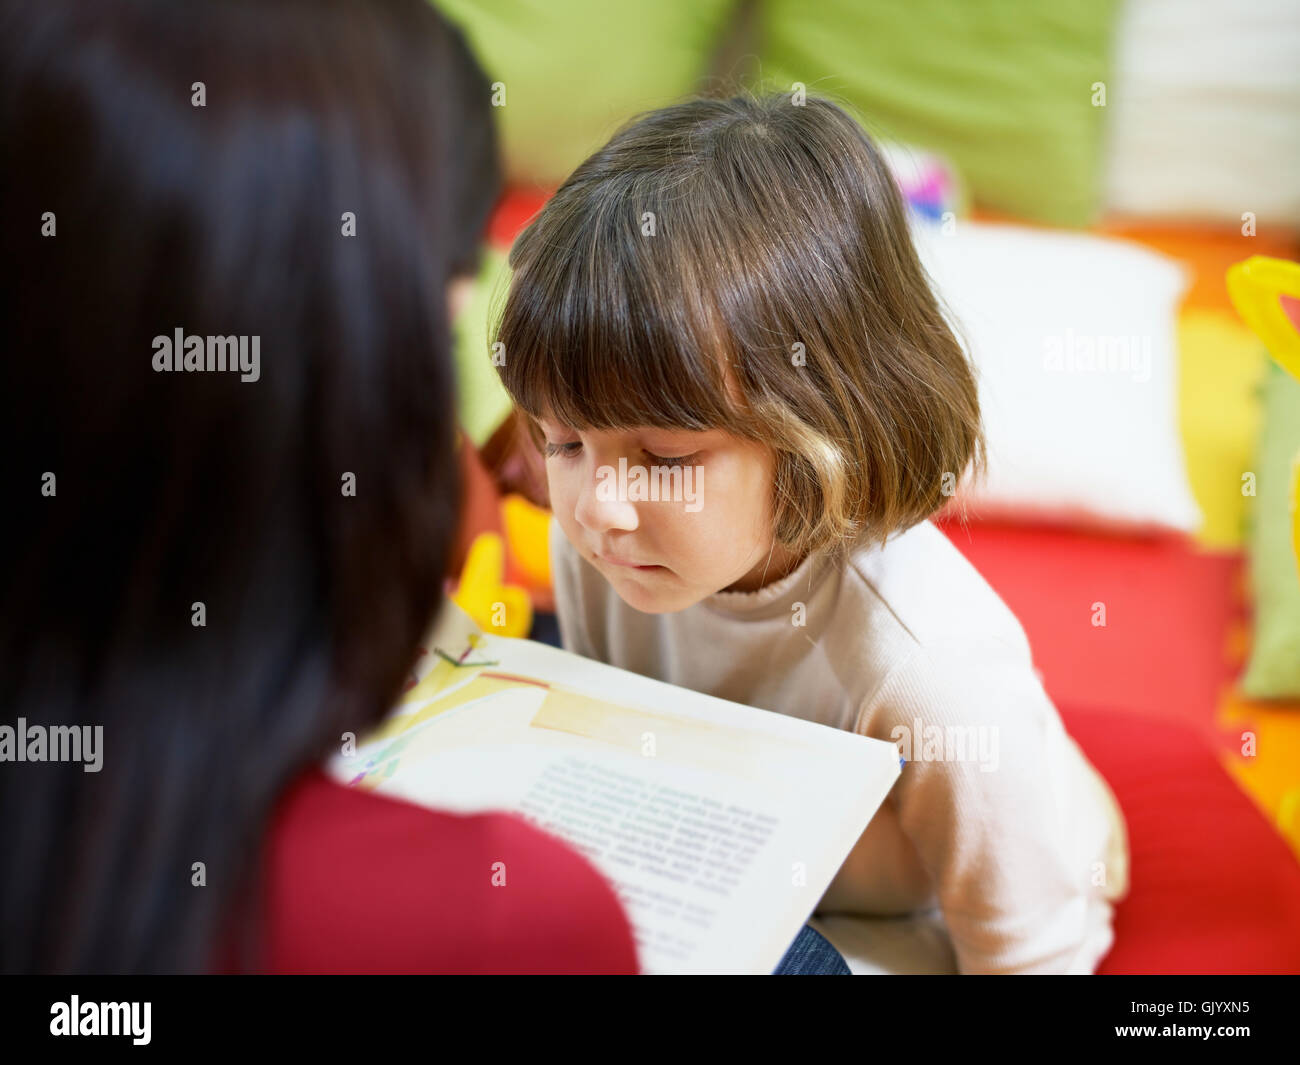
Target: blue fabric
811, 955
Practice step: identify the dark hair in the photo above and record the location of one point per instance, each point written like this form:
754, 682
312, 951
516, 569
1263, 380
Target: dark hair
746, 264
475, 181
175, 488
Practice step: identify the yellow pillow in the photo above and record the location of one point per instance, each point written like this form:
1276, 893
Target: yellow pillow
1221, 365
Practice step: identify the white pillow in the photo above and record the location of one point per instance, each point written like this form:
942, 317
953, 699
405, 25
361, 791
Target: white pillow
1204, 110
1074, 338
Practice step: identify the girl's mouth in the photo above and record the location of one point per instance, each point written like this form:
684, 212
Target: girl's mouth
628, 565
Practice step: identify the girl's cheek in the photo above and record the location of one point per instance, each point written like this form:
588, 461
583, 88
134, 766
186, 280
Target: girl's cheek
564, 490
558, 496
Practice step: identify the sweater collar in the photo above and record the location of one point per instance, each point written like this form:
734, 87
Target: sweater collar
776, 597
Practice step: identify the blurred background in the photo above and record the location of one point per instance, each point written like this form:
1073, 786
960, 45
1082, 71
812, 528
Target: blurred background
1082, 175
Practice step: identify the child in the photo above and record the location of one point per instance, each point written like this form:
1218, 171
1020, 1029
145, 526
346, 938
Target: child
723, 306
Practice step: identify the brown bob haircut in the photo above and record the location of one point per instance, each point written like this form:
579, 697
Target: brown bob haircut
746, 264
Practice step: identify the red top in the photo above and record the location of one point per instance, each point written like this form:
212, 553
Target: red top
361, 883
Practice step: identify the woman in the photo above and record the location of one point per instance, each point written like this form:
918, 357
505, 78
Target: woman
226, 570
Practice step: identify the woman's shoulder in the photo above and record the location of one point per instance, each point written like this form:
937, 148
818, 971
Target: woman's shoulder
361, 882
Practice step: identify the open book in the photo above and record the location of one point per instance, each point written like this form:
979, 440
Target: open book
719, 826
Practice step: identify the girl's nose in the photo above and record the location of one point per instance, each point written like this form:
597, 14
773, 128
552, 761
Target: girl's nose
603, 505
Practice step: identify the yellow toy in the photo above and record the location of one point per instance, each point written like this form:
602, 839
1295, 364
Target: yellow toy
527, 527
1257, 288
498, 608
1266, 293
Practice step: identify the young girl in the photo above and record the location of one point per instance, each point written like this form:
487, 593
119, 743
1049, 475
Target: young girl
750, 405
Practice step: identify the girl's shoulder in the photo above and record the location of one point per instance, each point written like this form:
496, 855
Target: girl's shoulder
933, 596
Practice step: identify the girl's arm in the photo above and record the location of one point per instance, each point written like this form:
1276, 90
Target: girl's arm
1003, 813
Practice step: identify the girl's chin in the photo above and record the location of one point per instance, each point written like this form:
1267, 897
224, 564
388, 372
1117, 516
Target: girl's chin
653, 596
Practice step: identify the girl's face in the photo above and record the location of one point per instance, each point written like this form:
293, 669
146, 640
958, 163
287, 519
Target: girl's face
708, 530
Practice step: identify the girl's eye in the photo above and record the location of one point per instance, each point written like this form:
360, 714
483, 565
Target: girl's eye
570, 449
683, 460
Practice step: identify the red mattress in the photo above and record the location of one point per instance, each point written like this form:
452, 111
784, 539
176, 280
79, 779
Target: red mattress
1168, 609
1215, 888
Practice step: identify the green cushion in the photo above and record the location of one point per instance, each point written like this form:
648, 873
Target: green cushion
1003, 87
1273, 671
482, 403
575, 70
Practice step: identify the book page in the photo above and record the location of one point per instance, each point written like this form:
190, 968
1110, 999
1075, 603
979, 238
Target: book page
719, 826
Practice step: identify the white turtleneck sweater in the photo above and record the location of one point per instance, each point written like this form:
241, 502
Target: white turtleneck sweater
998, 819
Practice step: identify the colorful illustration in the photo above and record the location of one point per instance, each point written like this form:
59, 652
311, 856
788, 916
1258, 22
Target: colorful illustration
509, 708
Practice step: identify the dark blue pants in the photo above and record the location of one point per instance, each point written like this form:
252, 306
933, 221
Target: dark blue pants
811, 955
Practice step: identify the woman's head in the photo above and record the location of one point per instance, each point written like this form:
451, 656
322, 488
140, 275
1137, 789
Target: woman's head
744, 268
226, 575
